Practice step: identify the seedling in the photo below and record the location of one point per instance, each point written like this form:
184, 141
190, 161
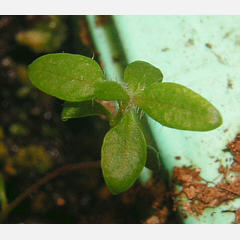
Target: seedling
80, 81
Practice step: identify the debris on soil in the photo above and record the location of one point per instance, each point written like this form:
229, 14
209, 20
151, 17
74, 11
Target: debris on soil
190, 42
234, 148
237, 216
165, 49
163, 214
219, 58
208, 45
235, 167
227, 34
201, 195
185, 176
225, 170
230, 84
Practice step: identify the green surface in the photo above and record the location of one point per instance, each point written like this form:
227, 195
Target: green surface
176, 106
201, 53
139, 75
123, 155
70, 77
83, 109
109, 90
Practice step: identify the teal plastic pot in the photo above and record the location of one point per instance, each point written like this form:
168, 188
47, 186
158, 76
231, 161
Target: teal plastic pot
201, 53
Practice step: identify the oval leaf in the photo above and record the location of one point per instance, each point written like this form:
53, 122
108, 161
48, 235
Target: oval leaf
83, 109
110, 91
139, 75
176, 106
123, 155
70, 77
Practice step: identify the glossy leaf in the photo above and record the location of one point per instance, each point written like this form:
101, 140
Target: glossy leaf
109, 90
3, 197
176, 106
123, 155
139, 75
83, 109
70, 77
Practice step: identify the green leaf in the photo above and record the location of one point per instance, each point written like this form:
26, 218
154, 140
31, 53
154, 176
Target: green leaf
123, 155
3, 197
70, 77
109, 90
176, 106
83, 109
139, 75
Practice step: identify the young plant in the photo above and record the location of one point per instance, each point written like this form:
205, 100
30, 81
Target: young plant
80, 81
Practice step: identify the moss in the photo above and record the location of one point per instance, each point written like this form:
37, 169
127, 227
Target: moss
33, 157
23, 92
18, 129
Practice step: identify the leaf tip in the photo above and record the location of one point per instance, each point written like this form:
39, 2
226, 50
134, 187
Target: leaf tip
215, 120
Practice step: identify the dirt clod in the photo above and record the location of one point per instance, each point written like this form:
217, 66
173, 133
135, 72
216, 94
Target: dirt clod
201, 195
152, 220
234, 148
237, 216
185, 176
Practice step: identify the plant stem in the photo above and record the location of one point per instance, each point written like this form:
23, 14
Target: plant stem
117, 118
120, 113
44, 180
